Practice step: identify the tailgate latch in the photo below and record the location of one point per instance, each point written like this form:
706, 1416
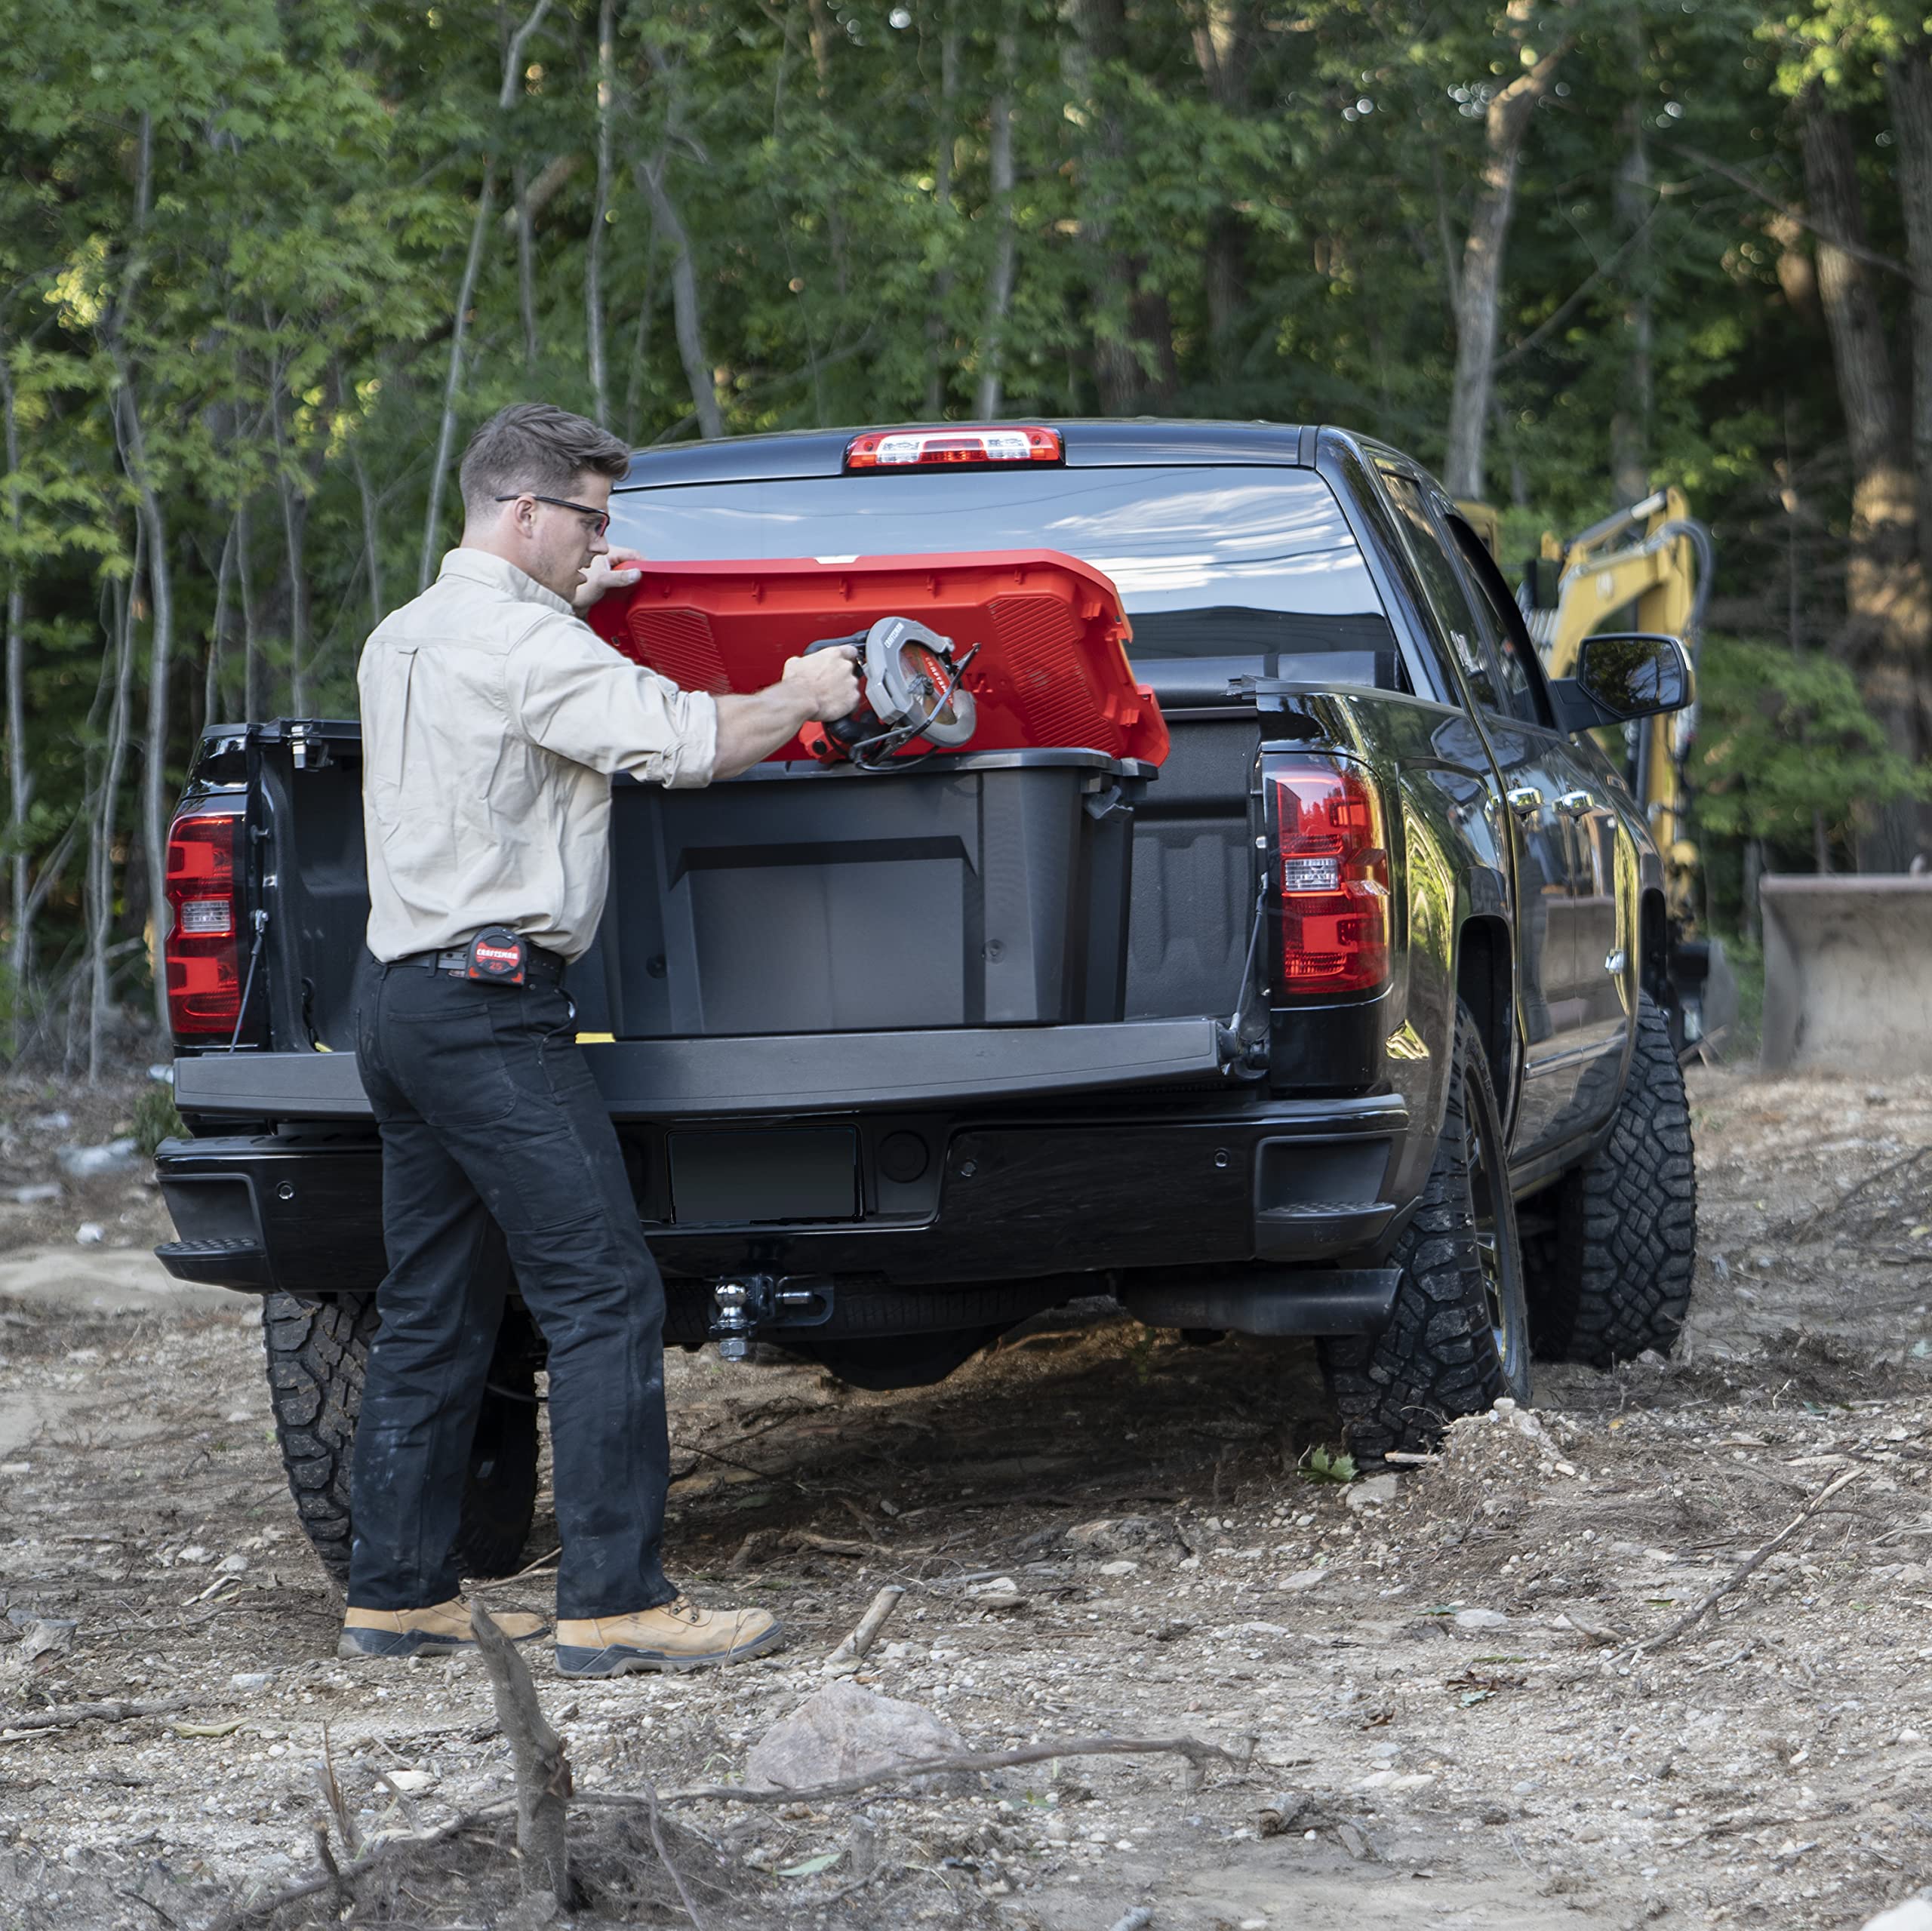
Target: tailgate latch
741, 1307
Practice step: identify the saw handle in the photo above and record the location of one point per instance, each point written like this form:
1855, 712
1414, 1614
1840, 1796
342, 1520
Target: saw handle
828, 742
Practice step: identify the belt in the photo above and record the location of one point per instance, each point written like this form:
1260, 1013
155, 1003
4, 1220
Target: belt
538, 963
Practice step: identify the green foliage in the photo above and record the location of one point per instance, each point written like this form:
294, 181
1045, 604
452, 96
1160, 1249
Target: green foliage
1785, 744
155, 1119
1323, 1464
1223, 210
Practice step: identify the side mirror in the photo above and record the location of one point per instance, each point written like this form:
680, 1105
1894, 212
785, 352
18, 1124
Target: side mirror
1622, 674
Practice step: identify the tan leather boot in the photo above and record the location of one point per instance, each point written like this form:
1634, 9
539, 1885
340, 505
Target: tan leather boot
678, 1636
441, 1630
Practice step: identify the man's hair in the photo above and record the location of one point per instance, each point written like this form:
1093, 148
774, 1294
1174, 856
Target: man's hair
535, 447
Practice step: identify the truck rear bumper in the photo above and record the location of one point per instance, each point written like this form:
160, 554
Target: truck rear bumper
1131, 1187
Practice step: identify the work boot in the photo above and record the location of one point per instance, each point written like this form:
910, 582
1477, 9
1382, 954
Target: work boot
439, 1631
678, 1636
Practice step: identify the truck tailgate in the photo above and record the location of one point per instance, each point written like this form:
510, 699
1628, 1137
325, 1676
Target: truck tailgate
787, 1073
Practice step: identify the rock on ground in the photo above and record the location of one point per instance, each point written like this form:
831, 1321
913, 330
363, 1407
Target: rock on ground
844, 1731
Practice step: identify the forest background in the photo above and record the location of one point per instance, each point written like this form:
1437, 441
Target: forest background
262, 266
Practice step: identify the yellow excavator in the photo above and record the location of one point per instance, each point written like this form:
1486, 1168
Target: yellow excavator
1647, 567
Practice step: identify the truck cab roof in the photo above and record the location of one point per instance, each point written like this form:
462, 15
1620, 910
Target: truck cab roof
1090, 443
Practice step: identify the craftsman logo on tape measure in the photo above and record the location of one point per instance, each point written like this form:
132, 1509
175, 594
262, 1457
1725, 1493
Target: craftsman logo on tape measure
497, 955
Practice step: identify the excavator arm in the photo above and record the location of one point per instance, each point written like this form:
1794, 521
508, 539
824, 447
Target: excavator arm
1651, 566
1648, 567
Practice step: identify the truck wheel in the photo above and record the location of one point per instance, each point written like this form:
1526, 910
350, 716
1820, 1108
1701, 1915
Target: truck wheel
1616, 1277
317, 1354
1459, 1336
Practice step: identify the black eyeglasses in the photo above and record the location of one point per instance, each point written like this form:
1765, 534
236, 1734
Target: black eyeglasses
597, 516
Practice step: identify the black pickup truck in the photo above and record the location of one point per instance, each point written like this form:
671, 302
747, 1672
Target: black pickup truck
1346, 1019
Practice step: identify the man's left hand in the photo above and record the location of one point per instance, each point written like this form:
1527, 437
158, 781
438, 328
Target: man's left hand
615, 569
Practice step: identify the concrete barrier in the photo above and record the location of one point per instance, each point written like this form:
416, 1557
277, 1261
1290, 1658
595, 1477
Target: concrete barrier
1848, 973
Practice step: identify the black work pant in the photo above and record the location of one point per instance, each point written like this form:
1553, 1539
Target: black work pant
495, 1138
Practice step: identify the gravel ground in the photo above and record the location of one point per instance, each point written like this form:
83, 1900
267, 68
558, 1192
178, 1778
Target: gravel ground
1098, 1529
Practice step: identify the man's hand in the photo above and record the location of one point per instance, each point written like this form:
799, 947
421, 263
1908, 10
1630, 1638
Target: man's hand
614, 570
824, 686
828, 682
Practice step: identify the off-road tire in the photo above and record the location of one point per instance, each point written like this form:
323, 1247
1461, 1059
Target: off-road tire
1616, 1276
317, 1352
1439, 1356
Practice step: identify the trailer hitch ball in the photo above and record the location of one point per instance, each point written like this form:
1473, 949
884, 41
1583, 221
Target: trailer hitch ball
740, 1309
732, 1319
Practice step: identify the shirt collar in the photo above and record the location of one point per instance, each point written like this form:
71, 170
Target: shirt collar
480, 567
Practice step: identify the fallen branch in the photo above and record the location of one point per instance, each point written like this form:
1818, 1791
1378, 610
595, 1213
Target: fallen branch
1198, 1755
331, 1870
13, 1728
652, 1817
848, 1655
330, 1790
1752, 1562
747, 1550
543, 1767
1796, 1230
831, 1546
1603, 1634
349, 1876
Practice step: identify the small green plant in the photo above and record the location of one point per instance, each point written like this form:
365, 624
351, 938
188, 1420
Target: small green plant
155, 1119
1323, 1464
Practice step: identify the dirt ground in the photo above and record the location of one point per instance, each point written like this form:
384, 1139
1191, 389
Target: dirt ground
1098, 1530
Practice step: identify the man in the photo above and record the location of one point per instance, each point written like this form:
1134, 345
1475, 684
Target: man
493, 719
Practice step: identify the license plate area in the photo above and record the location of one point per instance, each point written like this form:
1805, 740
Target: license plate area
735, 1176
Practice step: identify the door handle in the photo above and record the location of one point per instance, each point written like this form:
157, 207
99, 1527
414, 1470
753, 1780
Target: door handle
1525, 800
1576, 803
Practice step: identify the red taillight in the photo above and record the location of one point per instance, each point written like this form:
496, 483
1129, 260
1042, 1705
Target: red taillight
1330, 885
913, 449
202, 952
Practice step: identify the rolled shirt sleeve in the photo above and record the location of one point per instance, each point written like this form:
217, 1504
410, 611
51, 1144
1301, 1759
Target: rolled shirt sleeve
569, 691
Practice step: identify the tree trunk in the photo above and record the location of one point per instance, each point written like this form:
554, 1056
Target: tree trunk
294, 531
526, 266
1630, 424
1479, 282
641, 337
432, 520
100, 854
19, 780
218, 632
1129, 322
1909, 87
593, 257
367, 496
254, 672
936, 321
1224, 38
155, 796
685, 305
372, 551
999, 284
1888, 625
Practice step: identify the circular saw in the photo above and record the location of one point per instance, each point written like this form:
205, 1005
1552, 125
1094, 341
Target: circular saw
912, 689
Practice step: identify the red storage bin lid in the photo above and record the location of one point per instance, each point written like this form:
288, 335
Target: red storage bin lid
1052, 670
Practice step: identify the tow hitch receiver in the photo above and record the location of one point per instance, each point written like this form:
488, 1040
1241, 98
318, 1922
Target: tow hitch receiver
741, 1308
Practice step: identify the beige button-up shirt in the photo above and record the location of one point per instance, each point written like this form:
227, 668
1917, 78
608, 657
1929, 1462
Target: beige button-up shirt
493, 719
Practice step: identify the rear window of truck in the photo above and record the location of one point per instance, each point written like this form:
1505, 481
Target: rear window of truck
1251, 569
